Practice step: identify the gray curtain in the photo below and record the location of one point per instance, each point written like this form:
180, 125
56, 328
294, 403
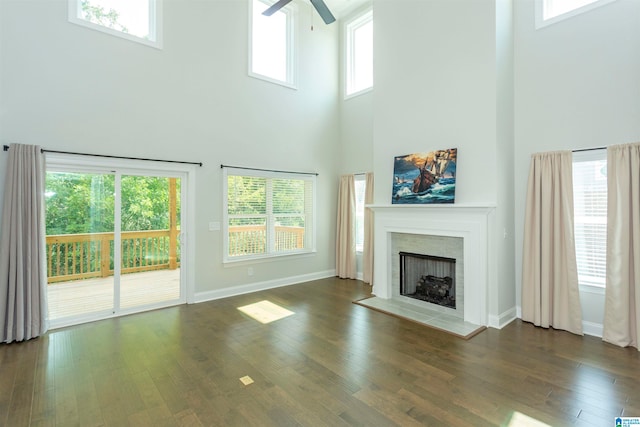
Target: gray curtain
346, 229
23, 277
367, 246
622, 302
550, 295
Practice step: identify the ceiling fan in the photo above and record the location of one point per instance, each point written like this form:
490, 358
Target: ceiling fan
320, 6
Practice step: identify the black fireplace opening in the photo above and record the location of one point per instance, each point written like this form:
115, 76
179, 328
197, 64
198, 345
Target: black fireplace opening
428, 278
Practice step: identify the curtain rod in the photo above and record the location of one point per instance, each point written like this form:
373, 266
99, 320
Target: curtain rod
588, 149
268, 170
6, 148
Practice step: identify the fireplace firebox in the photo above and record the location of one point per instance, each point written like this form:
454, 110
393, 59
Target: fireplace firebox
428, 278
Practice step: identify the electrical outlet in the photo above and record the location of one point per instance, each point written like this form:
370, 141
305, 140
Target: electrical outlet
250, 271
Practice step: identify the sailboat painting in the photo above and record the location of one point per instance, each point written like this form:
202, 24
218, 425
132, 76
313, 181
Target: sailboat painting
425, 178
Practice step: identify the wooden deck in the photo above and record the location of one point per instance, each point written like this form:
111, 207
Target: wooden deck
81, 297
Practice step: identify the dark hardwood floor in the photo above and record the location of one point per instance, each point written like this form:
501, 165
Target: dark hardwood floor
332, 363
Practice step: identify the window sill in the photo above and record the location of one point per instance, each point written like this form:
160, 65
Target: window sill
290, 85
592, 289
358, 93
266, 258
157, 44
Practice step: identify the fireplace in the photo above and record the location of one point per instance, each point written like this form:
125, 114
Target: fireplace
428, 278
459, 232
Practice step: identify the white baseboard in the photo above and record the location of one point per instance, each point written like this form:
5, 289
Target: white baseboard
591, 328
503, 319
260, 286
588, 328
519, 312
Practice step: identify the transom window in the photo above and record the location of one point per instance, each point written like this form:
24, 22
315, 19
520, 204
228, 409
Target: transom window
359, 54
551, 11
267, 214
590, 215
137, 20
271, 43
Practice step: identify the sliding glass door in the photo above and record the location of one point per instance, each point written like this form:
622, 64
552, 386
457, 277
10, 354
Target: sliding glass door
113, 243
80, 244
150, 229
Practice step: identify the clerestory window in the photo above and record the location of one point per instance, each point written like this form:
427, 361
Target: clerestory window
136, 20
551, 11
271, 43
359, 54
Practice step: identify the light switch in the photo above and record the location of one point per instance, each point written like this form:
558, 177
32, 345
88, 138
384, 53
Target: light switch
214, 226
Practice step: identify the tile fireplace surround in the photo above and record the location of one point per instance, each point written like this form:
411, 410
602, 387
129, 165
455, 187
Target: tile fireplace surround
471, 223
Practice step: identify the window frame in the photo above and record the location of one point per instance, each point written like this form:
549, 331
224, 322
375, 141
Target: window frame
542, 22
155, 24
350, 27
310, 217
583, 157
291, 13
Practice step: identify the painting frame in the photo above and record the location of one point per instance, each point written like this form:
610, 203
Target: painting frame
425, 178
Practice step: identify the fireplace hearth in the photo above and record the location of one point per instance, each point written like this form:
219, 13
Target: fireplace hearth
428, 278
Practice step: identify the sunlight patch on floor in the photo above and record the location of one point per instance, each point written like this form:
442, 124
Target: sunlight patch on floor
265, 311
521, 420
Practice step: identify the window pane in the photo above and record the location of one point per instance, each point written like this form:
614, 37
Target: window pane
290, 232
553, 8
127, 16
269, 43
590, 216
363, 57
288, 196
246, 195
360, 191
247, 236
359, 50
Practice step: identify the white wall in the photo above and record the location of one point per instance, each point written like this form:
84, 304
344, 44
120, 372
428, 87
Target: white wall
576, 86
435, 88
443, 72
66, 87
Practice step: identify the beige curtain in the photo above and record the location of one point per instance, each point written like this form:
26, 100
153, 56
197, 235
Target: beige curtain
367, 250
346, 229
23, 279
622, 302
549, 271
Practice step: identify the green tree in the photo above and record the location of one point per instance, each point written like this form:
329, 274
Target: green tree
84, 203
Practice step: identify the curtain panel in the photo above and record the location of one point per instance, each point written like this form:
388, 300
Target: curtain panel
550, 295
23, 277
346, 229
622, 296
367, 250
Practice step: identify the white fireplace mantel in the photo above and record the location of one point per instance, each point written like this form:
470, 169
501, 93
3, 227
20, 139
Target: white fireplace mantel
471, 222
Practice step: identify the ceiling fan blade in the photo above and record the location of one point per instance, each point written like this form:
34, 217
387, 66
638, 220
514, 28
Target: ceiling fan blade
323, 11
276, 7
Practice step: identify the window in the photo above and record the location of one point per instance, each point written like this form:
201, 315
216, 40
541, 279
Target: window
551, 11
361, 185
590, 215
137, 20
267, 214
271, 41
359, 54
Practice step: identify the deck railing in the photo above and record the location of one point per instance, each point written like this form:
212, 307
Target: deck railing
252, 239
84, 256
